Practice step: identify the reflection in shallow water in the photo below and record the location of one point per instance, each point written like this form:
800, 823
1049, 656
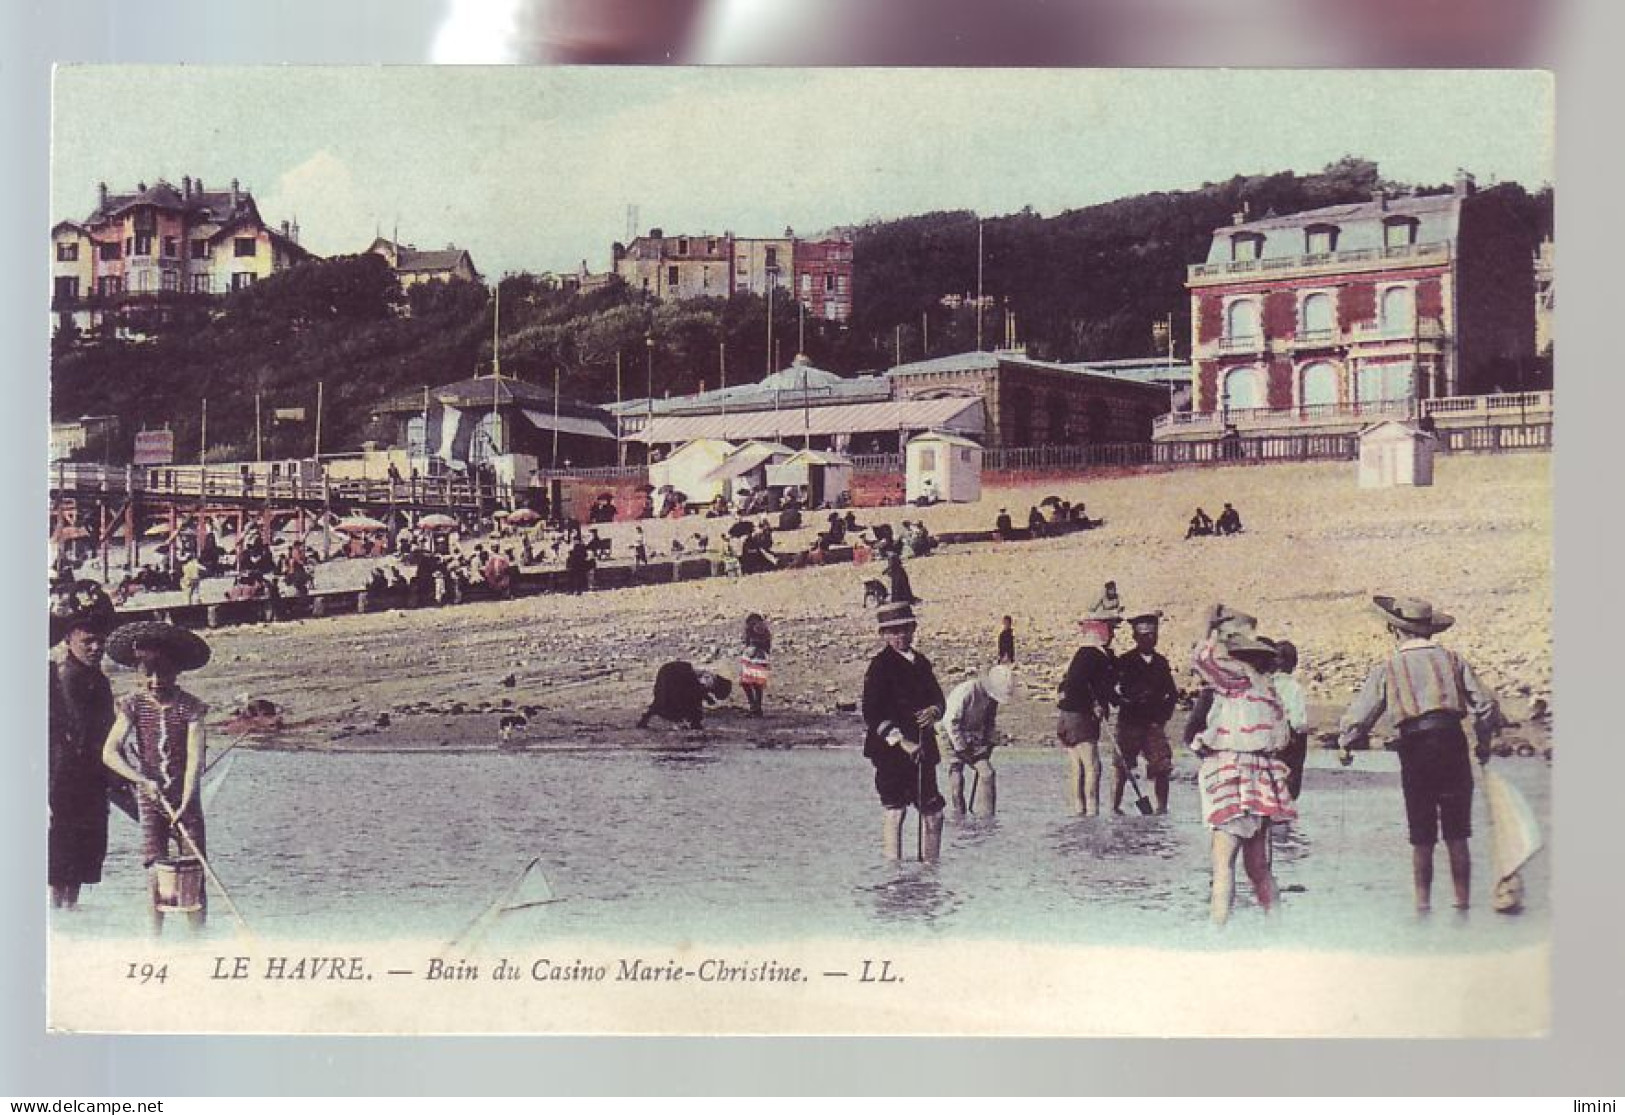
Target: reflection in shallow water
741, 845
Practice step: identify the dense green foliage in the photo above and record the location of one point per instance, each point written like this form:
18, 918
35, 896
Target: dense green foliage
1085, 284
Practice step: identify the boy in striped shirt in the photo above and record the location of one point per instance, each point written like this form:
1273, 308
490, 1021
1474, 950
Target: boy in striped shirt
1430, 690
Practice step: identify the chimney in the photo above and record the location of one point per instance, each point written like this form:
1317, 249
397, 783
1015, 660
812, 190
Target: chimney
789, 233
235, 194
285, 234
1466, 185
1380, 199
657, 234
186, 187
101, 195
293, 232
140, 187
1239, 217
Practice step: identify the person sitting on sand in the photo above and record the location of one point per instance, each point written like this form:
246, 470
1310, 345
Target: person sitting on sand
1431, 690
1003, 527
1201, 525
1229, 521
1036, 524
168, 741
681, 694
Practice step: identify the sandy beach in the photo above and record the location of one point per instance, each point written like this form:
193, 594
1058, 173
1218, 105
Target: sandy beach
579, 668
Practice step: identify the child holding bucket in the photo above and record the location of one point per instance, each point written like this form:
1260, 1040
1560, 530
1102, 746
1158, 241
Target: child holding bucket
163, 725
754, 667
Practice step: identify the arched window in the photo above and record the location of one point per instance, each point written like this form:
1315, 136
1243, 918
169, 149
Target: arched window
1318, 321
1243, 389
1398, 311
1241, 320
1318, 386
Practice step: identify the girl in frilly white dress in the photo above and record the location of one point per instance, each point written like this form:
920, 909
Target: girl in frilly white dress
1243, 782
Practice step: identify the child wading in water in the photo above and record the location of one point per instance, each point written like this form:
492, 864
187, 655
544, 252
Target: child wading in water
164, 725
1243, 782
754, 669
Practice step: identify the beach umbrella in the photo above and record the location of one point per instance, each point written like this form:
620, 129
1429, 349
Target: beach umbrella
523, 516
359, 524
437, 521
501, 513
158, 530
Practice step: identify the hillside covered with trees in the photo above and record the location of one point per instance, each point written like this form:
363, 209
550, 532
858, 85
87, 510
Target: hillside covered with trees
1084, 284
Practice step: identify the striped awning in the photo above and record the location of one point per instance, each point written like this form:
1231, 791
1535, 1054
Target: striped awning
959, 413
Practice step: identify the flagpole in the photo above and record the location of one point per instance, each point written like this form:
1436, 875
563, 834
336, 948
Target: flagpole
318, 454
259, 454
620, 440
203, 436
978, 286
555, 416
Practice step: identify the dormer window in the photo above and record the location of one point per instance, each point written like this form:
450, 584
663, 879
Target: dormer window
1320, 240
1246, 246
1399, 232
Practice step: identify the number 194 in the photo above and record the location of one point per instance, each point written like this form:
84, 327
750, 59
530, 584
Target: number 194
147, 972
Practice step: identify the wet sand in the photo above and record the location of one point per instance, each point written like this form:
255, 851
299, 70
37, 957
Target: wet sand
579, 668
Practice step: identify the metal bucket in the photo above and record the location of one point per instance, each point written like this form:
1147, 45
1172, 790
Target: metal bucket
180, 884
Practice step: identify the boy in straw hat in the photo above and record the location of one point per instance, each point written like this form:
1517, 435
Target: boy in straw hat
968, 728
1430, 690
169, 739
1087, 693
901, 703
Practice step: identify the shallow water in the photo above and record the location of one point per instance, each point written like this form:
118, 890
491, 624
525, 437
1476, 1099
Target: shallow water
739, 845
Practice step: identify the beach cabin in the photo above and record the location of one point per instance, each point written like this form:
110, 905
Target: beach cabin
1394, 453
822, 477
943, 467
745, 469
689, 467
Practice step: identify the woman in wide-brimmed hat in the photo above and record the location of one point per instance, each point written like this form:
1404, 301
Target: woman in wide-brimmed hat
1242, 782
1431, 690
165, 724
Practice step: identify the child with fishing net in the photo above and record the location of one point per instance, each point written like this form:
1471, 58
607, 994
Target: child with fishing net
157, 741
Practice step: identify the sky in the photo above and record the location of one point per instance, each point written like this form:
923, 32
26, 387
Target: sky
534, 169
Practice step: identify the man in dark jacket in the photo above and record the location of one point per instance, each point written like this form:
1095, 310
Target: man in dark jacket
1146, 696
901, 704
80, 716
682, 692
